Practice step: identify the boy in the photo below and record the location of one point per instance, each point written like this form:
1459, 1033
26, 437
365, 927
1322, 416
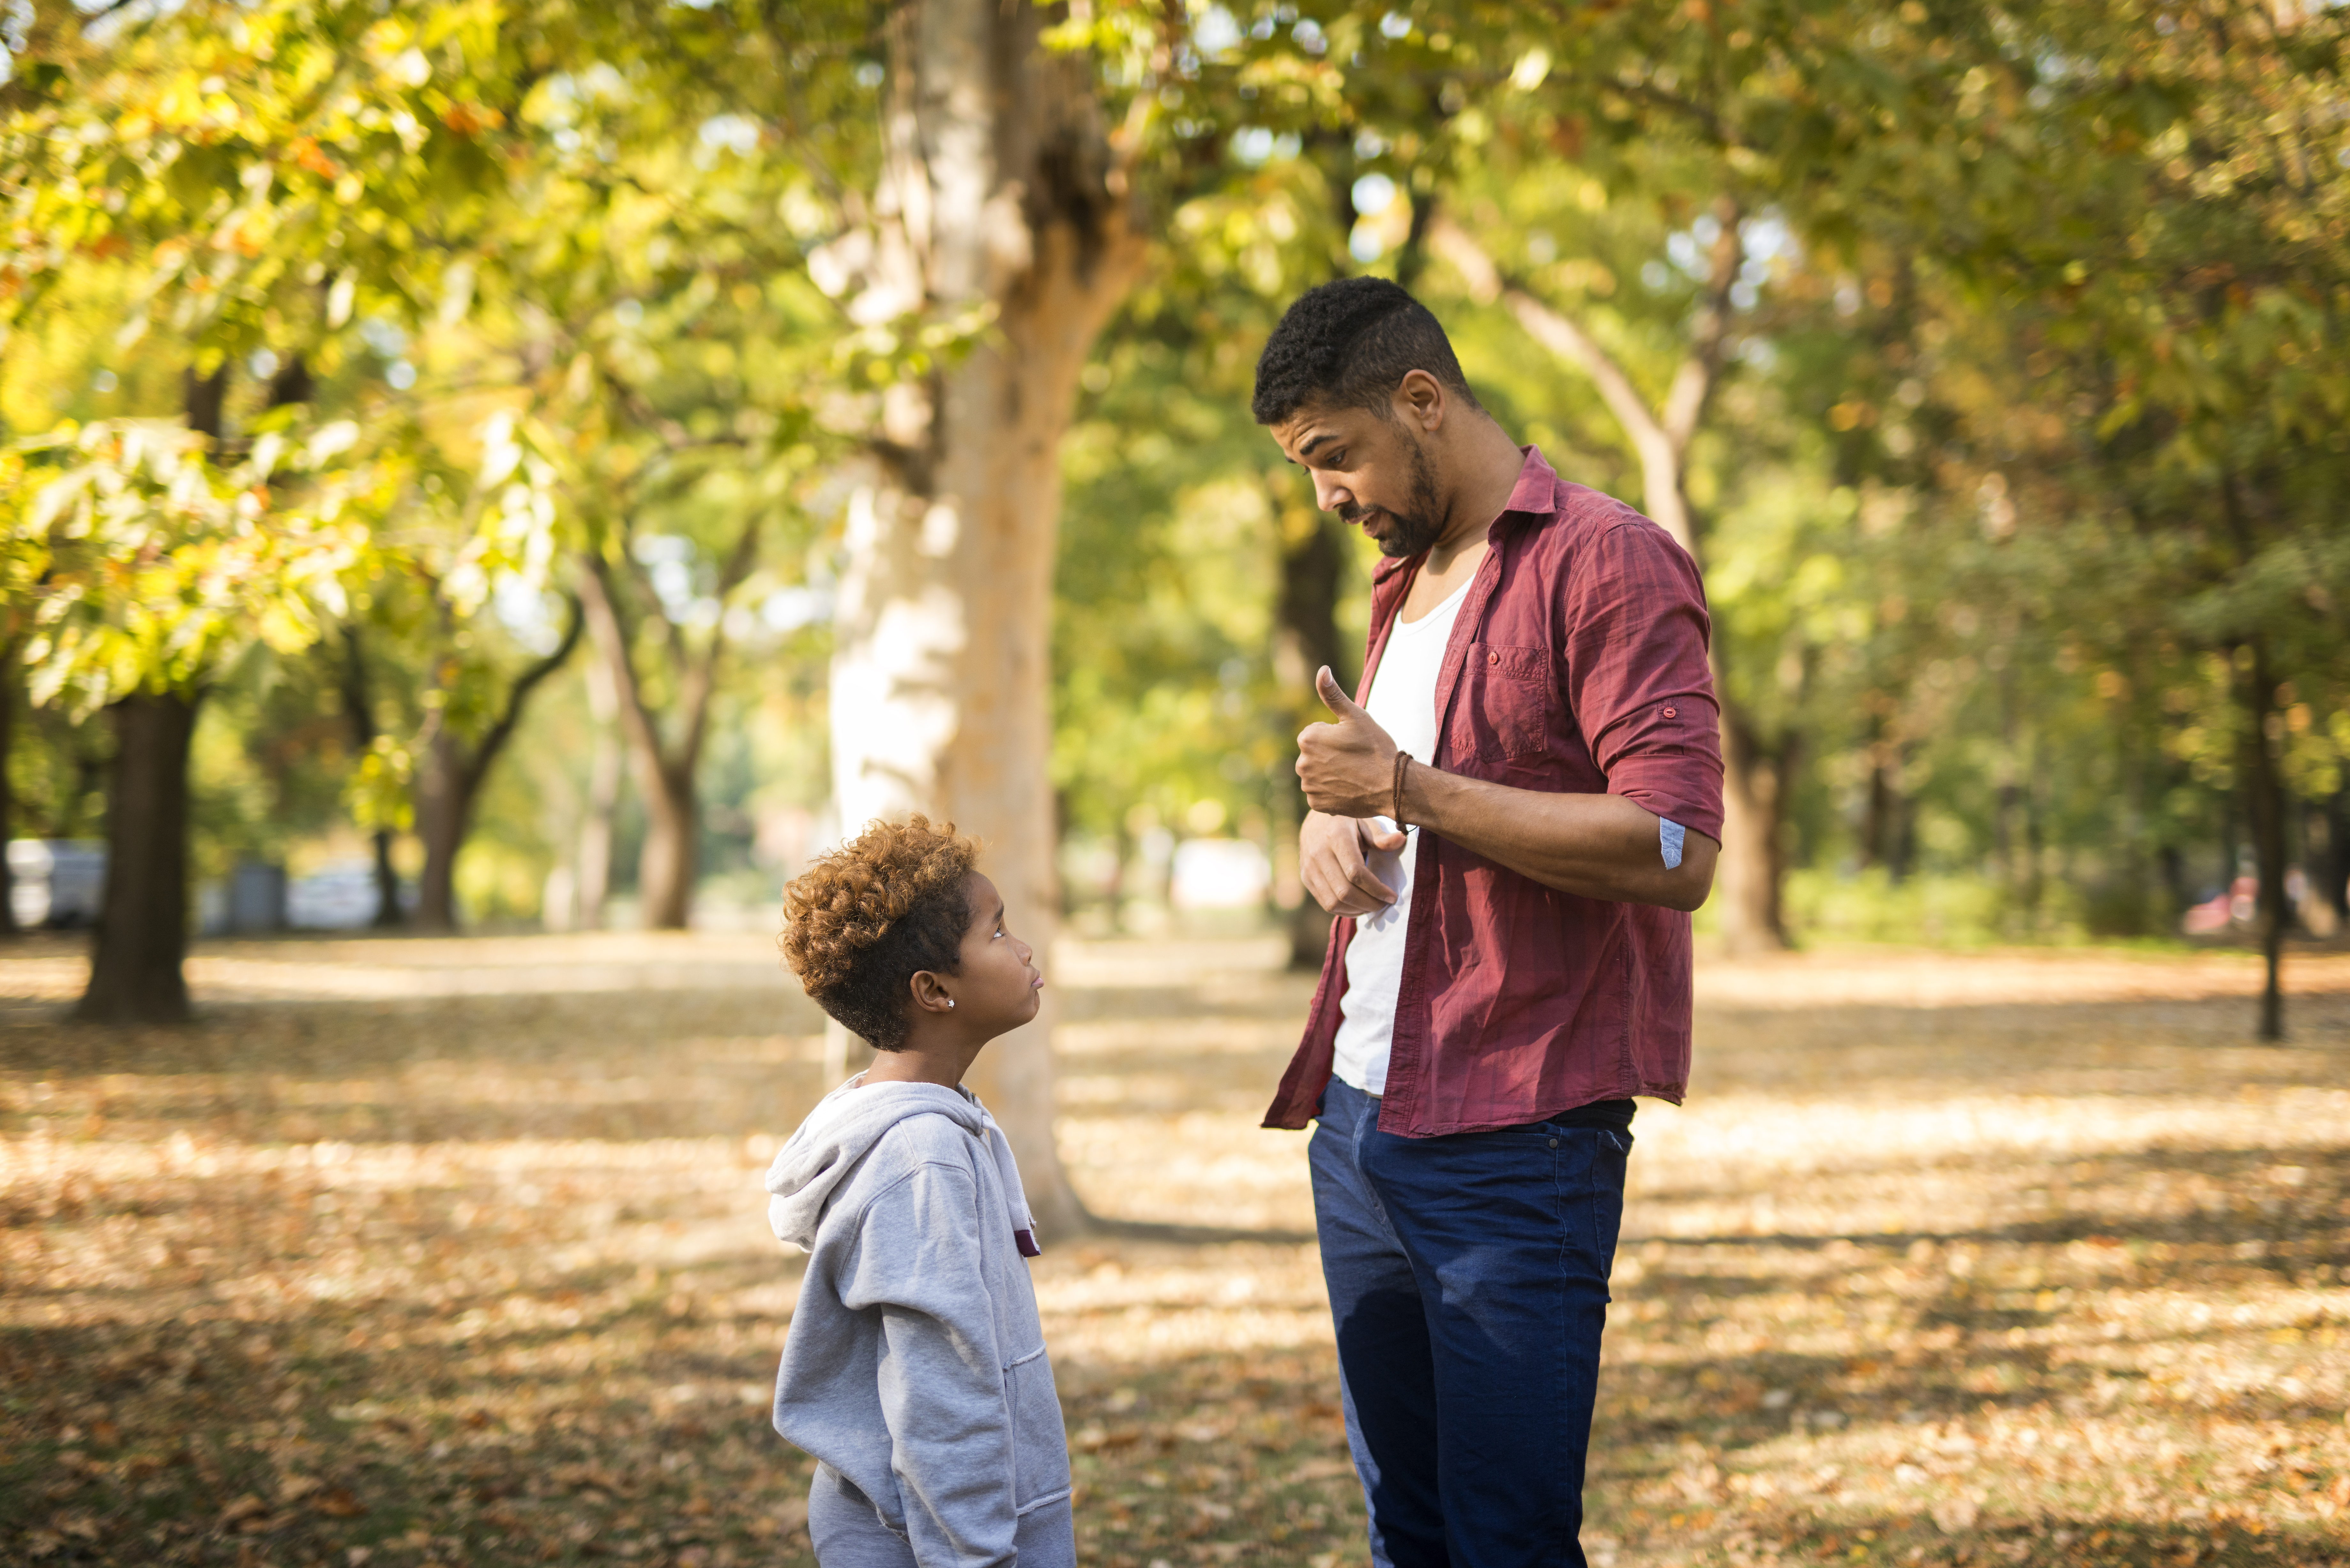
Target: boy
915, 1368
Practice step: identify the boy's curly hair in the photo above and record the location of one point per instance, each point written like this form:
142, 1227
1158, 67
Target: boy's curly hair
861, 921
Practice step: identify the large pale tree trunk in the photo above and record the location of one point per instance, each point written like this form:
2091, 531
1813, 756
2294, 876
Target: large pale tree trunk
1001, 191
1751, 870
135, 974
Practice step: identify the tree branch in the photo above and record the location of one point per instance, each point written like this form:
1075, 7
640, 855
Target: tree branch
672, 434
701, 676
1660, 458
672, 633
1694, 382
603, 613
499, 733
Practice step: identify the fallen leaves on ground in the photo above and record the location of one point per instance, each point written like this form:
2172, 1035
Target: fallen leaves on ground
445, 1252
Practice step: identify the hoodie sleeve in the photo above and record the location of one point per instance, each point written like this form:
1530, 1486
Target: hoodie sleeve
917, 1262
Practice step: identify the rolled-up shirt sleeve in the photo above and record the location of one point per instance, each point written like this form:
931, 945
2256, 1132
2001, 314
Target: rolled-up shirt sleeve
1635, 633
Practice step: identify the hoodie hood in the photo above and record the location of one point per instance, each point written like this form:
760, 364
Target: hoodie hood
842, 1130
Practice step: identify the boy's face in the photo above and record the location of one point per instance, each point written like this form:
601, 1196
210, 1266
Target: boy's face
998, 983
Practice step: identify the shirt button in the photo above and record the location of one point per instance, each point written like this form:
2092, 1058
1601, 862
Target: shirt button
1492, 658
1672, 712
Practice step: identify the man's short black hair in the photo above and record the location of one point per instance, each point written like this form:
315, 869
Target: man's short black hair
1350, 344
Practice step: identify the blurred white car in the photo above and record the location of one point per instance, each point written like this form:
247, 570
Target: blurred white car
337, 897
56, 882
1219, 874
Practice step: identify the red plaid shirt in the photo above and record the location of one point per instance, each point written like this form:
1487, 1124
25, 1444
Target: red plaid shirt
1578, 664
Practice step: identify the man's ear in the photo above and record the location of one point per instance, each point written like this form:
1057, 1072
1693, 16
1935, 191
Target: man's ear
1420, 402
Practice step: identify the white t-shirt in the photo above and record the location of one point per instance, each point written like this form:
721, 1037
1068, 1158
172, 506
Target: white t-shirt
1403, 702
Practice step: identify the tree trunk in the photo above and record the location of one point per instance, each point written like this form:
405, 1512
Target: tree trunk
596, 828
2264, 805
358, 706
668, 859
207, 402
142, 939
666, 769
8, 667
1306, 638
998, 190
2336, 872
1750, 872
671, 852
1884, 811
135, 975
444, 810
451, 779
388, 915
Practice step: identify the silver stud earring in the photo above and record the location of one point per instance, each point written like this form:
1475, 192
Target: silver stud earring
950, 1001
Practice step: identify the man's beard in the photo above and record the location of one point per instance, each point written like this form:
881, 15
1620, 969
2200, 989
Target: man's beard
1417, 527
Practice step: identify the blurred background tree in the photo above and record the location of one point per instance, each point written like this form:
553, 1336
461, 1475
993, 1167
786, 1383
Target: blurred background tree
1990, 360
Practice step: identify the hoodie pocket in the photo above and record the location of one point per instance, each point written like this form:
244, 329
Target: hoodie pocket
1040, 1447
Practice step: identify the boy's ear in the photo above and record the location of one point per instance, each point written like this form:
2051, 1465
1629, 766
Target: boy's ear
930, 994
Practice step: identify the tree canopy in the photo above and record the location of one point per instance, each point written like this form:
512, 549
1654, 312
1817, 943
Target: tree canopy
1989, 356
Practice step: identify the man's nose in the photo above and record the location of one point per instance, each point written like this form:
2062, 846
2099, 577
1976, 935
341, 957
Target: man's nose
1329, 494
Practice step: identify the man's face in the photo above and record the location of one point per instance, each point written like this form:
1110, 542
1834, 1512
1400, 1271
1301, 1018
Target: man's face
1370, 470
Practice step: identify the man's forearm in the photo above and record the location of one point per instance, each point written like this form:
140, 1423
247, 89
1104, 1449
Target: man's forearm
1595, 846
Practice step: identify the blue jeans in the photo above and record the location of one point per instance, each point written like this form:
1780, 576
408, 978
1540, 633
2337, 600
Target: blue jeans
1468, 1279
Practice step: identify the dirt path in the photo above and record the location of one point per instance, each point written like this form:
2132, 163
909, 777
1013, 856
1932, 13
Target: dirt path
452, 1251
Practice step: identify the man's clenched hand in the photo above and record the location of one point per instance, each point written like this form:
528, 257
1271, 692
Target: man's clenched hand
1331, 863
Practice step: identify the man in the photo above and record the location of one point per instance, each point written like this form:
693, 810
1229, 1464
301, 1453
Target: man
1515, 822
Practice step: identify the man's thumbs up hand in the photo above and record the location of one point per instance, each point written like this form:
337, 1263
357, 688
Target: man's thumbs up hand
1347, 766
1334, 695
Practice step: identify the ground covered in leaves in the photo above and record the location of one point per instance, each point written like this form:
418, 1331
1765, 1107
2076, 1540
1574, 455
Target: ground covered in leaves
453, 1252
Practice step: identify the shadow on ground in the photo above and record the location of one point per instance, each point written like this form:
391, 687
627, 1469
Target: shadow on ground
485, 1278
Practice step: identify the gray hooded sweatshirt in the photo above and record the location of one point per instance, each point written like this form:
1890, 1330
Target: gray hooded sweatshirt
915, 1366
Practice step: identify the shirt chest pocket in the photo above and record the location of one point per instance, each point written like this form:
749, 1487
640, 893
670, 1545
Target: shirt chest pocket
1502, 708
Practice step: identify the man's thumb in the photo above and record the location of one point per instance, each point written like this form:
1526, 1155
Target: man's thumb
1334, 695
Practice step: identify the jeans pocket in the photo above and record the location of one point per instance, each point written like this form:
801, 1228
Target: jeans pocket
1608, 1157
